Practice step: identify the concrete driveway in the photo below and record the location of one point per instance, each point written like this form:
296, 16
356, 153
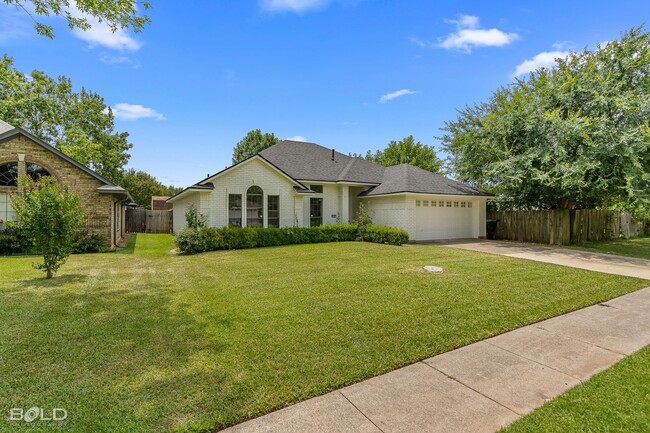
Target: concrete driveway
609, 264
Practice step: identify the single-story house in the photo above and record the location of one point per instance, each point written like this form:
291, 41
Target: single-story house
298, 184
23, 154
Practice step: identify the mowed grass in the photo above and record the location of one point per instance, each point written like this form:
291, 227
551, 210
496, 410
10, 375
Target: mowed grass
635, 247
616, 400
144, 341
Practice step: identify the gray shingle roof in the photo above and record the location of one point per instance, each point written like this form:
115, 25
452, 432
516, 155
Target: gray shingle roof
407, 178
309, 161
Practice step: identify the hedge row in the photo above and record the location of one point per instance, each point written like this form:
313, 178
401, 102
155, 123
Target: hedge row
192, 241
385, 235
14, 241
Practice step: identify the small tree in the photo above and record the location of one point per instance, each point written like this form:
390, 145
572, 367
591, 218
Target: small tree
49, 216
364, 218
195, 219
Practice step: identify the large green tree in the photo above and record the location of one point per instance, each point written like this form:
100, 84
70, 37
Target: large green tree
143, 186
122, 14
254, 142
573, 136
407, 151
79, 124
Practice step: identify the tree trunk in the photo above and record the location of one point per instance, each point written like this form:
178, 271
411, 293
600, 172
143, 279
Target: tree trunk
49, 272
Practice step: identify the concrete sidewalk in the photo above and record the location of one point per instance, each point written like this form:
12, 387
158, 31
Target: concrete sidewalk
480, 387
610, 264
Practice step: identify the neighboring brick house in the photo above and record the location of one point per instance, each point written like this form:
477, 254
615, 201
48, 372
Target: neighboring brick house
21, 153
159, 202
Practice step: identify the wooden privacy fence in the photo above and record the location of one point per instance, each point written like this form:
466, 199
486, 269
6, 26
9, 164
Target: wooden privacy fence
148, 221
566, 227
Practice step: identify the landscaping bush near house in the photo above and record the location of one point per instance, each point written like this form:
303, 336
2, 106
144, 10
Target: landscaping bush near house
192, 241
84, 243
14, 241
385, 235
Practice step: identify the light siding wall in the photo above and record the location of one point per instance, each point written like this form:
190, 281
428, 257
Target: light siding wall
180, 207
389, 211
238, 180
331, 203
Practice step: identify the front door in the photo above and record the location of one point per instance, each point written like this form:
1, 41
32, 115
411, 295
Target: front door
315, 211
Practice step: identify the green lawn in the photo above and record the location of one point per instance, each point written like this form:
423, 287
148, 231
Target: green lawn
616, 400
147, 341
635, 247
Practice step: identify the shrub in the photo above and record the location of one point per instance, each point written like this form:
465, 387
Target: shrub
14, 241
195, 219
84, 243
364, 218
385, 235
191, 241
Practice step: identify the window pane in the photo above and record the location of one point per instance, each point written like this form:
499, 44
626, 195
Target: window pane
316, 188
315, 211
35, 171
441, 204
9, 174
273, 211
255, 207
234, 210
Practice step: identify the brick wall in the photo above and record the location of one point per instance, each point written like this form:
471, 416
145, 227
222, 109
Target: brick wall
99, 207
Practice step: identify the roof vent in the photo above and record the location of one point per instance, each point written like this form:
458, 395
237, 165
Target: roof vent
332, 154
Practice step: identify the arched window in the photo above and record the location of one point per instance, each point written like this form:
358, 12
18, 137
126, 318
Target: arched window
35, 171
9, 174
255, 207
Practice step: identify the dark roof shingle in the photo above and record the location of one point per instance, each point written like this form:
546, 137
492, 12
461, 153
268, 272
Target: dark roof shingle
310, 161
408, 178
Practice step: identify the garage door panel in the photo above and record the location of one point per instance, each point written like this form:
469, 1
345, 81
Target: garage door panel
443, 223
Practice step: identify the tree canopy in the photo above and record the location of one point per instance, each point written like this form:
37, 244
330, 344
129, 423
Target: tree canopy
121, 14
573, 136
407, 151
254, 142
79, 124
143, 186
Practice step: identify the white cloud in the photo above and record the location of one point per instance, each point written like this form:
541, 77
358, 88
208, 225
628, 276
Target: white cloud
298, 6
395, 95
297, 138
102, 35
124, 111
109, 59
469, 35
545, 59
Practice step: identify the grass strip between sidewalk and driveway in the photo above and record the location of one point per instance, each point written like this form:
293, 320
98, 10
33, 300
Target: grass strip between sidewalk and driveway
148, 341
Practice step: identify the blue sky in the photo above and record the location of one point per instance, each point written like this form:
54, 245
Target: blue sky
348, 74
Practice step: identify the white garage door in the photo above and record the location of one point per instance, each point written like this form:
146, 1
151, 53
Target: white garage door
444, 219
